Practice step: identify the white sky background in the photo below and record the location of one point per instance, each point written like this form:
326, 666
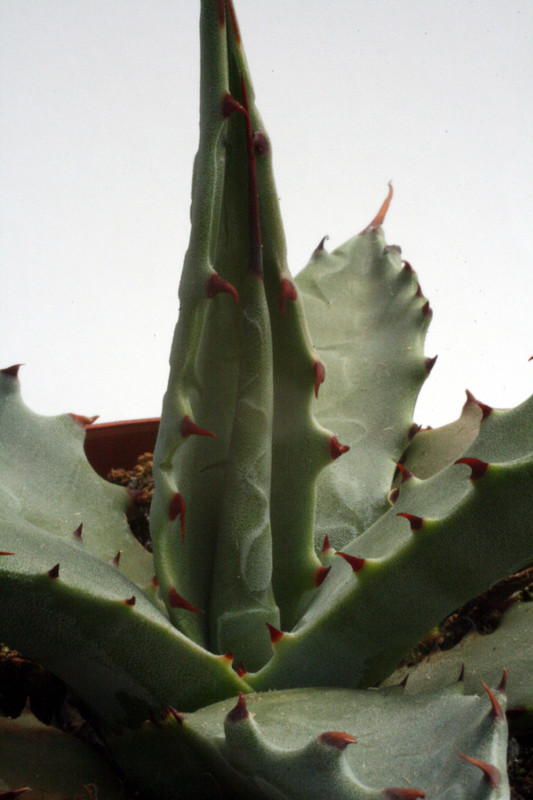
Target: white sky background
99, 126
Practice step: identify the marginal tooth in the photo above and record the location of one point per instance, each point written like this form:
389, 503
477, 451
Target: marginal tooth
11, 372
240, 712
320, 375
380, 216
413, 430
275, 634
78, 532
320, 575
492, 773
496, 712
485, 409
477, 468
336, 448
177, 509
502, 686
338, 739
397, 793
83, 421
429, 363
116, 559
175, 600
405, 473
54, 572
320, 247
190, 428
414, 521
229, 105
287, 292
356, 563
217, 285
130, 601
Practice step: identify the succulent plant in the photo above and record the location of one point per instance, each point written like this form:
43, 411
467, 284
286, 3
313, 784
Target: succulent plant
306, 535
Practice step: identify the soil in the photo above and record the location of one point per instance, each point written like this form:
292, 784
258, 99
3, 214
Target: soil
23, 682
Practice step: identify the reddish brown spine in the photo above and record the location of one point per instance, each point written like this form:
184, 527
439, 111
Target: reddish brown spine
287, 292
216, 285
477, 468
496, 712
320, 375
175, 600
336, 448
240, 712
492, 774
275, 634
320, 575
177, 509
414, 521
356, 563
190, 428
338, 739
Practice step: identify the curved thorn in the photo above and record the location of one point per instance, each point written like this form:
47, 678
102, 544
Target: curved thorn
177, 509
338, 739
175, 600
496, 712
502, 686
190, 428
414, 521
485, 409
229, 105
287, 292
336, 448
413, 430
6, 553
326, 546
12, 371
426, 309
477, 468
275, 633
320, 375
216, 285
83, 421
429, 363
397, 793
356, 563
241, 672
492, 774
240, 712
320, 246
320, 575
382, 213
405, 473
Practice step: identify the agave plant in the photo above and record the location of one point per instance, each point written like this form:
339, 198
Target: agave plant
305, 533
